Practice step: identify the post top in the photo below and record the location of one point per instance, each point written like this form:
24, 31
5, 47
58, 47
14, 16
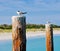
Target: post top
17, 17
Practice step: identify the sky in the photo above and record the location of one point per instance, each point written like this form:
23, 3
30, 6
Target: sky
38, 11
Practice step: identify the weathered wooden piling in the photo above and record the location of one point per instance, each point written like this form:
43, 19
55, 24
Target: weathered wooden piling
49, 37
19, 33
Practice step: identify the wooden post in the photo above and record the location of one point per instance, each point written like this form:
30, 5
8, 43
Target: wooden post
49, 37
19, 33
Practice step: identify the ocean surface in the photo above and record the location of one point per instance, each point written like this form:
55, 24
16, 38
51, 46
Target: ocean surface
33, 44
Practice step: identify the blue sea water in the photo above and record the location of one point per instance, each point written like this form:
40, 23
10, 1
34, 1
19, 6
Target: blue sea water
33, 44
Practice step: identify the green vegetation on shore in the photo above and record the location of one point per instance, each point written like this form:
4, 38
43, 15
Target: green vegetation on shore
29, 27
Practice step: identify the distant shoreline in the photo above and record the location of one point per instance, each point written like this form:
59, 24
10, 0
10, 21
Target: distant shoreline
28, 30
29, 34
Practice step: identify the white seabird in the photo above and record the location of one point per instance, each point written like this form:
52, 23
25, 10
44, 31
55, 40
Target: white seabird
20, 13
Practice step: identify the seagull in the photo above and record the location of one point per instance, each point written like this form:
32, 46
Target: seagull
20, 13
48, 22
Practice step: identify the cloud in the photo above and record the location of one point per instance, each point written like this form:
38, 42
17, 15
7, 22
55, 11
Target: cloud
10, 4
31, 5
35, 5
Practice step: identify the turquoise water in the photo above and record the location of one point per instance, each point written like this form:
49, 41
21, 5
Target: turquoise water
33, 44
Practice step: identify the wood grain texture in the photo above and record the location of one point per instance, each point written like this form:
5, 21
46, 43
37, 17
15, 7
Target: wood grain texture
19, 33
49, 38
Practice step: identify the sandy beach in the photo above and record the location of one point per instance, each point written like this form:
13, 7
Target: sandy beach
29, 34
